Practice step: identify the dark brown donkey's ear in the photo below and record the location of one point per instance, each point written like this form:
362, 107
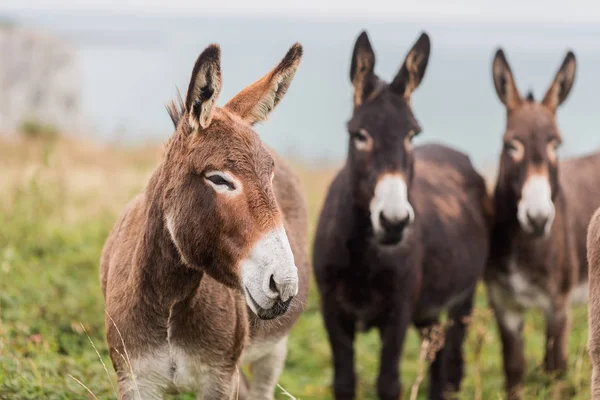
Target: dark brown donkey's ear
413, 70
255, 102
204, 87
504, 82
562, 84
362, 68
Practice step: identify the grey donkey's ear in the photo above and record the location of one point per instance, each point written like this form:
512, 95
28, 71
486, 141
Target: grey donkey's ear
204, 88
504, 82
562, 84
413, 69
256, 102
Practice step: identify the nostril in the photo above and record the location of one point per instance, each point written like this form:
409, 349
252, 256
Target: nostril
273, 285
538, 222
405, 221
393, 226
382, 219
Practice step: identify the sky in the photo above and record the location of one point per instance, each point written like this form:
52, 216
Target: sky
567, 11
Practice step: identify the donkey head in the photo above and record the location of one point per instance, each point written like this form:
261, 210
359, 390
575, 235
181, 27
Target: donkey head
381, 129
218, 203
528, 175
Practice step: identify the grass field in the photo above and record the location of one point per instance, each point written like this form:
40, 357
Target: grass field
58, 201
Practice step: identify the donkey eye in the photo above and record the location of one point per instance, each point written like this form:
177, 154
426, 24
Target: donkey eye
553, 146
515, 150
219, 180
359, 136
362, 140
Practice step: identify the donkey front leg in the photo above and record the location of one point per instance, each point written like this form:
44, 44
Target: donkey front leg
594, 344
266, 372
222, 385
510, 325
557, 329
139, 388
341, 331
392, 333
459, 314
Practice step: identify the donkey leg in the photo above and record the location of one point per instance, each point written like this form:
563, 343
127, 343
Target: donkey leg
557, 330
222, 385
341, 331
510, 325
138, 388
266, 372
453, 347
242, 387
596, 382
392, 333
594, 350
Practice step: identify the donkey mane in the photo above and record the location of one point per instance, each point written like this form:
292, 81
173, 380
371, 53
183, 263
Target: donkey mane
176, 108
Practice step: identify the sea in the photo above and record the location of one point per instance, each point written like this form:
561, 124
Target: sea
132, 65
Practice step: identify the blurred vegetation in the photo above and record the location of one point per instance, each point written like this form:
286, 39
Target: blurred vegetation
57, 204
6, 22
33, 129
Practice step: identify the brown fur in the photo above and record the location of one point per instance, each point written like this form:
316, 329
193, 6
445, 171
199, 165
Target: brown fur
553, 265
593, 254
179, 285
386, 281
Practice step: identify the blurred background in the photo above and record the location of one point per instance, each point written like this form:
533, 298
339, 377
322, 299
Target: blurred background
83, 86
104, 69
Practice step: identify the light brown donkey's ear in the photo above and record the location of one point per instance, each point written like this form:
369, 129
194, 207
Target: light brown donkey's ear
562, 84
204, 87
504, 82
413, 69
255, 102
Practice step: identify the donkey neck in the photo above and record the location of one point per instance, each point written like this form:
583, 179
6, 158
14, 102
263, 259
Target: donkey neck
162, 277
361, 232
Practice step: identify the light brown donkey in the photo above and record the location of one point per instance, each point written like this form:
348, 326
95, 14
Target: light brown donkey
542, 209
213, 249
593, 252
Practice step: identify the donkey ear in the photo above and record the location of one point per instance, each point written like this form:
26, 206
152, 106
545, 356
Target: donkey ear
413, 70
255, 102
562, 84
362, 69
504, 82
204, 87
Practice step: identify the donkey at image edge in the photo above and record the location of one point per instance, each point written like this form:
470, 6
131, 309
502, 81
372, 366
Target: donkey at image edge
542, 208
199, 264
402, 236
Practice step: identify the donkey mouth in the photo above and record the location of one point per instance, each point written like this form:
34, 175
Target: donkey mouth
391, 239
278, 309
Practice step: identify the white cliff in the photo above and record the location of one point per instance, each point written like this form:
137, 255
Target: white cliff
40, 80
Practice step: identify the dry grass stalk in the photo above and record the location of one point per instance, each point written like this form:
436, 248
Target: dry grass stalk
83, 386
433, 341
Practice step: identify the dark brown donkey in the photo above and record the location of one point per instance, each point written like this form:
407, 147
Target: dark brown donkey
538, 248
220, 227
402, 235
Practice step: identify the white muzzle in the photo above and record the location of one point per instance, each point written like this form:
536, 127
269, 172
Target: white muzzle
269, 274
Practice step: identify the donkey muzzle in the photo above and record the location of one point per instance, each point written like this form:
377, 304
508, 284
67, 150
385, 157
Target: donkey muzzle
270, 276
391, 212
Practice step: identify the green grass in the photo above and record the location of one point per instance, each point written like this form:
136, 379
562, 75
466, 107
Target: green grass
52, 228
